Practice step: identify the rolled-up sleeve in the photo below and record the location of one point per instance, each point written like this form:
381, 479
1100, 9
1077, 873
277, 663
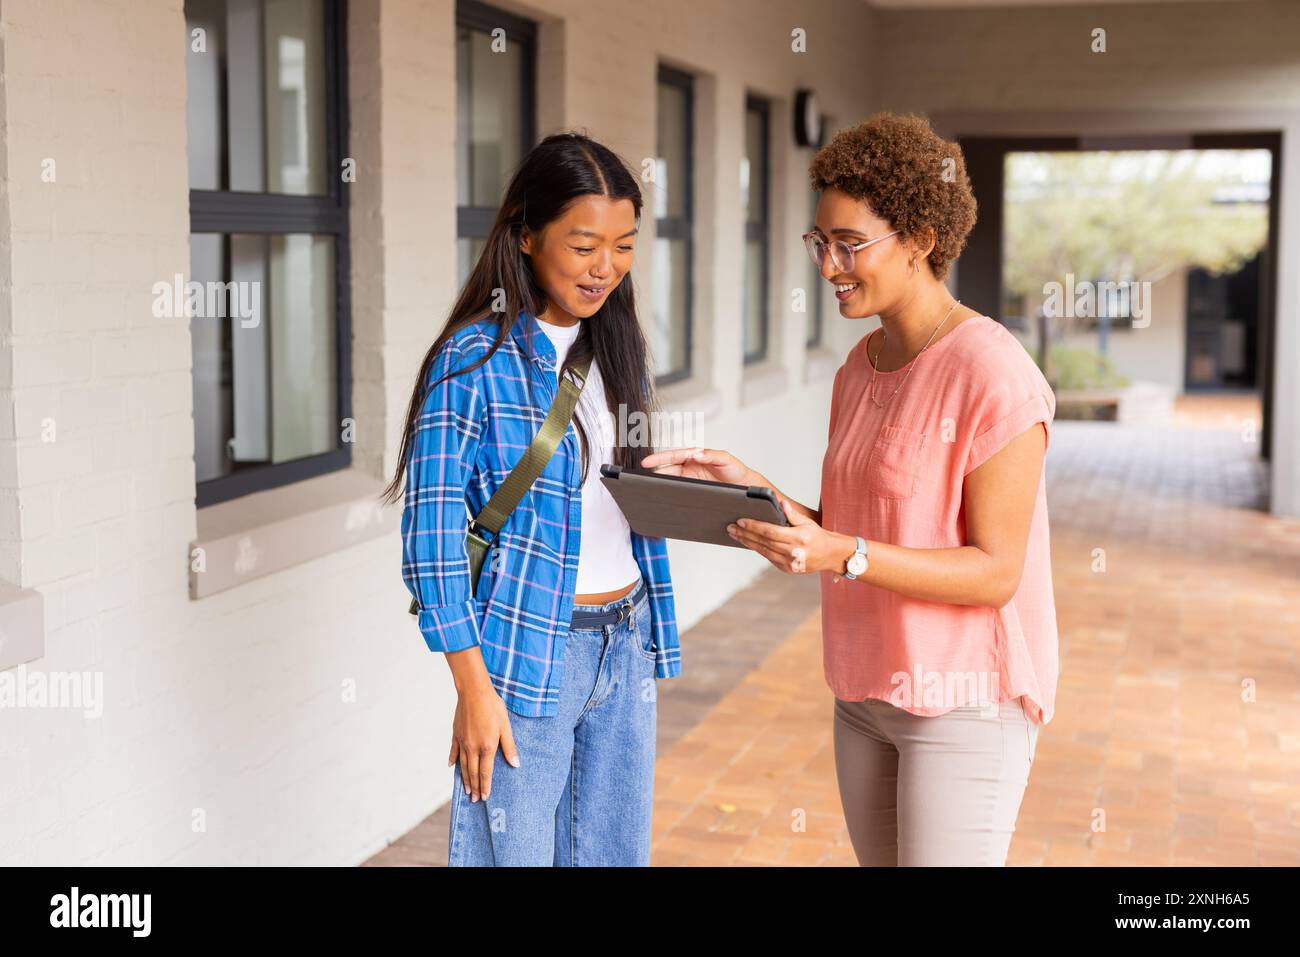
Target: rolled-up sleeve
445, 443
1013, 396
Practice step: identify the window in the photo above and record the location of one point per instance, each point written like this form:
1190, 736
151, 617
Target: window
815, 300
495, 97
673, 206
753, 191
268, 247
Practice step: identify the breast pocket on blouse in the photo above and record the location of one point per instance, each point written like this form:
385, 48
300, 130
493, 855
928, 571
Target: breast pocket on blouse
895, 462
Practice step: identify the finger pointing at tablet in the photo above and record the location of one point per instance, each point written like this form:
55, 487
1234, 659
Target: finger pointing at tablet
714, 465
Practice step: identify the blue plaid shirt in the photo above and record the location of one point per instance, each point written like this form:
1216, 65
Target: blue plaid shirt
471, 431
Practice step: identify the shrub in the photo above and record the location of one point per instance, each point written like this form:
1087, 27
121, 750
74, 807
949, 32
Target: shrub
1078, 369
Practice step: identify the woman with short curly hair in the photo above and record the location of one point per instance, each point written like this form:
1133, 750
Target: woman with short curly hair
931, 537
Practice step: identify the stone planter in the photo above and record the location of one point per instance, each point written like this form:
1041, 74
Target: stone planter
1141, 402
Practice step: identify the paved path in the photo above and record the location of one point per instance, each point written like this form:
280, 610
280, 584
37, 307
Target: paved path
1198, 609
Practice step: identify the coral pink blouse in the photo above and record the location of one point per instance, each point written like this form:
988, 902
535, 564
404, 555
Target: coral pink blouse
895, 474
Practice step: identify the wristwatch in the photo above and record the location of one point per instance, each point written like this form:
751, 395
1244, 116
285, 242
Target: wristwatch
857, 563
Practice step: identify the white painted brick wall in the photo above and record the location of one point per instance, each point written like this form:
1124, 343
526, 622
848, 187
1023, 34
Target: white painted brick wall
233, 704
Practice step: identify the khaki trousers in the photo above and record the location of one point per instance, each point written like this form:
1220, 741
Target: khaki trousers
944, 790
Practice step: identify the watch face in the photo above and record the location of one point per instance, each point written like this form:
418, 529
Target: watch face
857, 564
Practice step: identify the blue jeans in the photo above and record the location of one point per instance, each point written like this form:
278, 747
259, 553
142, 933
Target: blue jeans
584, 788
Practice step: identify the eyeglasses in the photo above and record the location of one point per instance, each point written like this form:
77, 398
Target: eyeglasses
841, 252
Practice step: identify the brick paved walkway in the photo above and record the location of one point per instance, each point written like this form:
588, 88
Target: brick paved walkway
1200, 596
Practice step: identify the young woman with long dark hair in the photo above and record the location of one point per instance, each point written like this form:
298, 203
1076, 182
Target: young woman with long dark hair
556, 653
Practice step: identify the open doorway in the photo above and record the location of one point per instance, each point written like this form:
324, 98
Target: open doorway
1223, 329
1218, 330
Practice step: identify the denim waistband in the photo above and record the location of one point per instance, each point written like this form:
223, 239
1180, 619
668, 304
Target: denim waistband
596, 616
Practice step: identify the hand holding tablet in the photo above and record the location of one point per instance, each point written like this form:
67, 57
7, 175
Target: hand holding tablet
660, 505
784, 532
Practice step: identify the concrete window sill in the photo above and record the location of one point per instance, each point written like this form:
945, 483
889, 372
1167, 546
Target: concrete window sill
690, 397
820, 364
263, 533
22, 625
761, 381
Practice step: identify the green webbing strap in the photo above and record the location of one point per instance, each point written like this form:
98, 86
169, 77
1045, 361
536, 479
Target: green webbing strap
521, 478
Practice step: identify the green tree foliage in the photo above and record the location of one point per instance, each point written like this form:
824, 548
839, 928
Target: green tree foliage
1124, 216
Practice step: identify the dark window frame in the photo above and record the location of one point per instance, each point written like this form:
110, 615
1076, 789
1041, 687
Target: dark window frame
230, 211
682, 227
475, 222
761, 230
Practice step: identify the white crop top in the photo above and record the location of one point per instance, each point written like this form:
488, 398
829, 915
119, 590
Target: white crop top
605, 559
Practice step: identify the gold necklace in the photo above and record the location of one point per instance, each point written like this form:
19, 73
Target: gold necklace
911, 366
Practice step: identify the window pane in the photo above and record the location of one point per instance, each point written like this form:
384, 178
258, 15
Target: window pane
295, 96
467, 254
754, 302
814, 306
756, 181
753, 194
303, 372
256, 100
210, 341
672, 209
670, 307
489, 116
265, 375
672, 164
204, 119
816, 287
250, 440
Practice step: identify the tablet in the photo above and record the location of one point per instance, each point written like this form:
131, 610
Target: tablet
695, 510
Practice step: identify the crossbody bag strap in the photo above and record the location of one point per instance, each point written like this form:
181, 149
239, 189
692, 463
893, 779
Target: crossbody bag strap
498, 508
494, 514
525, 471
